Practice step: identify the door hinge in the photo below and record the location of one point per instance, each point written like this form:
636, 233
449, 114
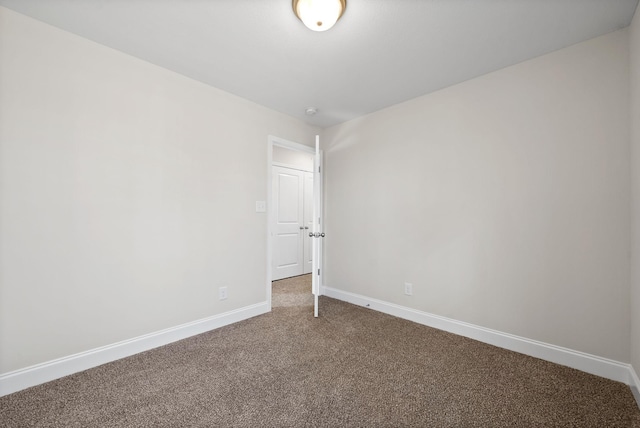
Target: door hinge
318, 170
318, 272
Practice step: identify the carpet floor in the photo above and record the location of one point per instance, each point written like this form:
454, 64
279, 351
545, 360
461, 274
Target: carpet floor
352, 367
295, 291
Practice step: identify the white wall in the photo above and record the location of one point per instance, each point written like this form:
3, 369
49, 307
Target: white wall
293, 158
504, 200
634, 48
127, 195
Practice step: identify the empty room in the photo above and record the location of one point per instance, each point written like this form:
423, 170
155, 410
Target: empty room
321, 213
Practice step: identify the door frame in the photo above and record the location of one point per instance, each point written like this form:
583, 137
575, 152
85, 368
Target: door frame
271, 142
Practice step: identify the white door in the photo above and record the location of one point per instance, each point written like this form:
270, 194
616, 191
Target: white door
308, 220
288, 228
316, 228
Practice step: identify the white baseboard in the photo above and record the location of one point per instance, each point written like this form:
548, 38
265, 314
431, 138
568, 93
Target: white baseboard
45, 372
599, 366
634, 383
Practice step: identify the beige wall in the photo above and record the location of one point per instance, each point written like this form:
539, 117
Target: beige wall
127, 195
634, 48
504, 200
293, 158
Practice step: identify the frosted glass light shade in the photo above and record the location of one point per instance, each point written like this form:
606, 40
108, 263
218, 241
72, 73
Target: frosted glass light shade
319, 15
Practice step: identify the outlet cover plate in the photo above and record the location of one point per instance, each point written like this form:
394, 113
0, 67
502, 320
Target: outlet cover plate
408, 289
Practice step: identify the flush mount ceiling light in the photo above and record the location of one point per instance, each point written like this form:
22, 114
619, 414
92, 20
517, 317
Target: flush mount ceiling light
319, 15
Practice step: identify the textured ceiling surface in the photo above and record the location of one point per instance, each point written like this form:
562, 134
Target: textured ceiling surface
380, 53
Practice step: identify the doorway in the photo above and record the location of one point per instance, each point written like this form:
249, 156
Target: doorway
290, 199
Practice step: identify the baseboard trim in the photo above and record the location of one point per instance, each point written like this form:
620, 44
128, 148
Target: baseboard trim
593, 364
31, 376
634, 383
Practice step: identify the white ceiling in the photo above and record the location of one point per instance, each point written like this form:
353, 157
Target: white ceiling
380, 53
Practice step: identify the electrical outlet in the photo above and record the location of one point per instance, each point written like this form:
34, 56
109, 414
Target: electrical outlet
222, 292
408, 289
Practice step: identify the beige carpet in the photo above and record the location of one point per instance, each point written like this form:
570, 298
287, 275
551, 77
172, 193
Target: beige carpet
352, 367
294, 291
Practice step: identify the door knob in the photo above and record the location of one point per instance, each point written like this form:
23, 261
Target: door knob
316, 235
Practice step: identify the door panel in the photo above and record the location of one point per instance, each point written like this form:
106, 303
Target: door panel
308, 220
288, 211
317, 226
288, 254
